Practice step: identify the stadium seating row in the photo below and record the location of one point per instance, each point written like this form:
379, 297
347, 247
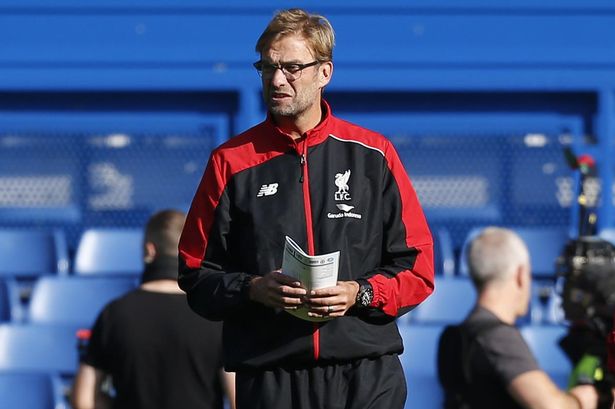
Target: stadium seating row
30, 252
41, 353
61, 299
108, 261
60, 306
42, 347
30, 390
43, 359
77, 300
40, 336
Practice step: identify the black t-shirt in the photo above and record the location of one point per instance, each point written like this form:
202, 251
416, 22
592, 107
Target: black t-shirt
160, 354
478, 359
496, 354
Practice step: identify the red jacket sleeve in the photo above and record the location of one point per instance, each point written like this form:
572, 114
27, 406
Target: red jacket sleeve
406, 276
211, 289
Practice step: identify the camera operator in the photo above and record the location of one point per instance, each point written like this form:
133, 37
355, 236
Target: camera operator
587, 268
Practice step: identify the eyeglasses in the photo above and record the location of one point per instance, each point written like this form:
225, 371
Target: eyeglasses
292, 71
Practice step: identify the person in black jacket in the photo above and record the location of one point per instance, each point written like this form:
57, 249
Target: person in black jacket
330, 186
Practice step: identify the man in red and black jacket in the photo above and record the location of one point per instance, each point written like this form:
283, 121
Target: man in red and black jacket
331, 186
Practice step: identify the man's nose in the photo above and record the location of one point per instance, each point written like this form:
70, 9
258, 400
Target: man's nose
278, 78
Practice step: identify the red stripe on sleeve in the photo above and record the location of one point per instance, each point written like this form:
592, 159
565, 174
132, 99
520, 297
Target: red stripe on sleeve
253, 147
193, 241
409, 287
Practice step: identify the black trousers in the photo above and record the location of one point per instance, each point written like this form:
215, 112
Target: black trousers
363, 384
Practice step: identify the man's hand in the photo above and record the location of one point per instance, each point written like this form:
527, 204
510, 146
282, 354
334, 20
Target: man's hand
332, 301
277, 290
586, 395
87, 391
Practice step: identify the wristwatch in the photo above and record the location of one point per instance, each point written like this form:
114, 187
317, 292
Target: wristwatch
245, 287
365, 295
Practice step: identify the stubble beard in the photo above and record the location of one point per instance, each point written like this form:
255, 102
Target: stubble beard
300, 103
291, 110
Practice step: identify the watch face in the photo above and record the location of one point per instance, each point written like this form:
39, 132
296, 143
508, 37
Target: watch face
365, 296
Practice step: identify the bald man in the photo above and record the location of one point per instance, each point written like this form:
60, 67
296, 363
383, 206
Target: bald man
498, 369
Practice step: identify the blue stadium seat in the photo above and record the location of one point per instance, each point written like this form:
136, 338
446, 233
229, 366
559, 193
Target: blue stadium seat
32, 252
420, 366
545, 305
27, 390
48, 348
543, 341
545, 244
608, 234
109, 251
5, 302
451, 302
74, 300
444, 258
29, 253
10, 305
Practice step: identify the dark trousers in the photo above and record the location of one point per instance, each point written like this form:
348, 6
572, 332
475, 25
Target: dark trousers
362, 384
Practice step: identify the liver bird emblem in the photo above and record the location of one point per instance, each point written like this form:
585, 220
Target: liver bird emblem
341, 181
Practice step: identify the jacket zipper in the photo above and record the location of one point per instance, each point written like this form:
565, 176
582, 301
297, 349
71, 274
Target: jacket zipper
306, 199
304, 179
302, 164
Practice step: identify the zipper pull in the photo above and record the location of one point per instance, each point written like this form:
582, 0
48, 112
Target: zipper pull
302, 164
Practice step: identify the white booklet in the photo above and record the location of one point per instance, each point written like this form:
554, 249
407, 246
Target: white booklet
314, 272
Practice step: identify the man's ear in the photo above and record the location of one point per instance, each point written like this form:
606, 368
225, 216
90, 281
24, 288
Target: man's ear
522, 276
149, 252
325, 71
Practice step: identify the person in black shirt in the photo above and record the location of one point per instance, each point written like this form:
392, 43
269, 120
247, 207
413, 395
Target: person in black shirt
158, 353
487, 363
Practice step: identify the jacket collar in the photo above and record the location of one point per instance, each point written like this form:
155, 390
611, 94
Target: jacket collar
315, 135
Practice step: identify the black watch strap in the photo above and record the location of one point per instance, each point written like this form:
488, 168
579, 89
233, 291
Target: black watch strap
245, 287
365, 295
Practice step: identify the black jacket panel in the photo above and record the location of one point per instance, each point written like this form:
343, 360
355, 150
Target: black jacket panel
350, 193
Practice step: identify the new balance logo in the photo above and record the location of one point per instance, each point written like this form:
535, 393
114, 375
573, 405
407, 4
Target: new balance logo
268, 190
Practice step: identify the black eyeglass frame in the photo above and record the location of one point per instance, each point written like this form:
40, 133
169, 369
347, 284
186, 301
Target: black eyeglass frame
291, 75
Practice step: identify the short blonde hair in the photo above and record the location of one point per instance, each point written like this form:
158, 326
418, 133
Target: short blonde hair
314, 28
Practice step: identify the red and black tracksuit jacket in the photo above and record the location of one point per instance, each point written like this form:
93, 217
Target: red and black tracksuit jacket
261, 186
